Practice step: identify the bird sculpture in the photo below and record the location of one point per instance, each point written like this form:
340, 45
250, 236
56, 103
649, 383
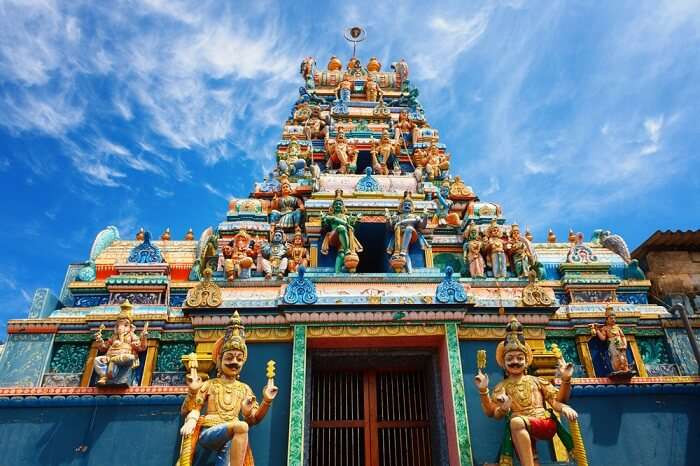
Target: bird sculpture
616, 244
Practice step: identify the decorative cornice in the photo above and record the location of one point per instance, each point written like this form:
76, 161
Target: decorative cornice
374, 331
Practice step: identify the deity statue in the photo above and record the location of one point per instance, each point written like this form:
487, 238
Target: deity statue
495, 250
407, 227
443, 206
617, 344
404, 129
341, 154
342, 92
341, 233
373, 92
274, 255
288, 210
381, 152
219, 412
314, 125
472, 251
520, 252
306, 69
436, 164
115, 367
525, 401
298, 255
237, 255
293, 161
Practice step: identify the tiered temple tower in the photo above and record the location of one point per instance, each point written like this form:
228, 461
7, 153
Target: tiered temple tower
371, 273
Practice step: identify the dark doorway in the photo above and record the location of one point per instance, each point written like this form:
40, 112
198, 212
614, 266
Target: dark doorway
364, 160
373, 238
384, 413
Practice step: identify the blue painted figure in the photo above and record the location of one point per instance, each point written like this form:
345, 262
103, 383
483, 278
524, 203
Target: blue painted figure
407, 228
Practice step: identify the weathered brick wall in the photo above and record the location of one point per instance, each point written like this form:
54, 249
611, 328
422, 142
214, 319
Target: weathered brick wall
674, 272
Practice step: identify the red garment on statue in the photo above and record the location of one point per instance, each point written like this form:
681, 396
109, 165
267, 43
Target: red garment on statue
543, 429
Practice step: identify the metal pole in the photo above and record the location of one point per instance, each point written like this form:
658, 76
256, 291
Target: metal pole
679, 309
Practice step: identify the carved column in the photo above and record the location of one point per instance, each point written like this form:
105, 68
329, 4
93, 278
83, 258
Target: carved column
295, 450
459, 402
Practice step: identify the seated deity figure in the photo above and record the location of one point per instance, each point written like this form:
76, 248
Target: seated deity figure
495, 250
381, 153
436, 164
472, 251
617, 344
298, 254
238, 259
315, 126
341, 154
293, 161
115, 367
443, 205
372, 90
406, 226
525, 401
287, 209
341, 234
275, 255
219, 412
520, 253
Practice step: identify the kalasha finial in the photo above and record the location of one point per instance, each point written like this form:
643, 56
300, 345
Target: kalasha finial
355, 34
189, 236
572, 236
551, 237
140, 234
166, 235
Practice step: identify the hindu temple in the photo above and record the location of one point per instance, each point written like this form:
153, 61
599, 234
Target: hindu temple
363, 306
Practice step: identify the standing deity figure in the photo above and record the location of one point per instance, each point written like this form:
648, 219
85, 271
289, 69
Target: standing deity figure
287, 209
401, 68
274, 255
526, 402
298, 255
115, 367
314, 125
495, 250
407, 227
443, 206
219, 412
343, 91
373, 92
472, 251
341, 154
436, 164
341, 234
293, 161
306, 69
617, 344
404, 129
381, 153
519, 251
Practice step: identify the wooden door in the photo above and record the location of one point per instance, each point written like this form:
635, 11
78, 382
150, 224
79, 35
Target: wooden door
369, 418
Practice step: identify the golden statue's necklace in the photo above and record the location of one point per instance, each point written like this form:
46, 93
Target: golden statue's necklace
520, 391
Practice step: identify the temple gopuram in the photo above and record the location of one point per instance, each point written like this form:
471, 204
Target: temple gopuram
363, 306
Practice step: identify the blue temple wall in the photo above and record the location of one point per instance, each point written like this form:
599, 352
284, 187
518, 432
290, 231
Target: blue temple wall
646, 427
133, 430
25, 358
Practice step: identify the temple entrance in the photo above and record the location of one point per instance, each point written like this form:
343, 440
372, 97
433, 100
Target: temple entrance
364, 160
378, 416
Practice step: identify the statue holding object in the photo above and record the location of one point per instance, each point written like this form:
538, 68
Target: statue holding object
341, 154
472, 251
275, 255
341, 234
116, 366
298, 254
617, 344
213, 409
527, 402
287, 210
407, 227
443, 205
381, 153
495, 250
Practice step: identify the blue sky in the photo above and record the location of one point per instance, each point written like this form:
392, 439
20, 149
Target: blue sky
579, 114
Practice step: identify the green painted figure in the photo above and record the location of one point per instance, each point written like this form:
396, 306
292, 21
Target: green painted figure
341, 234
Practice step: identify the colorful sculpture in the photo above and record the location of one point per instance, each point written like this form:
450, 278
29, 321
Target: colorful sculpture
341, 234
407, 227
213, 409
495, 251
520, 252
526, 402
343, 91
298, 254
617, 344
274, 255
341, 154
288, 210
381, 152
293, 162
237, 255
443, 205
472, 251
122, 350
436, 164
373, 92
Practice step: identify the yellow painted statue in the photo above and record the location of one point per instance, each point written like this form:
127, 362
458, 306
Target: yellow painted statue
525, 401
617, 344
219, 411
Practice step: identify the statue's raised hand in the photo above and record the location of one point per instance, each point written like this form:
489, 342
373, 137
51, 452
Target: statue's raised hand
247, 406
270, 392
504, 402
566, 369
481, 381
194, 382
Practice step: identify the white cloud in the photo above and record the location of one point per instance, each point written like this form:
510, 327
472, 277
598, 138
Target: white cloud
162, 193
